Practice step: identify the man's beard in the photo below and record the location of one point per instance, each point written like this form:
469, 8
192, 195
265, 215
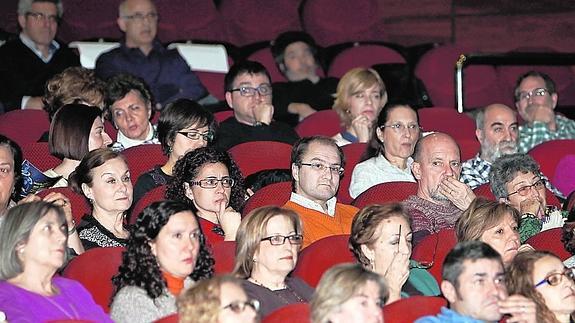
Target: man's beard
503, 148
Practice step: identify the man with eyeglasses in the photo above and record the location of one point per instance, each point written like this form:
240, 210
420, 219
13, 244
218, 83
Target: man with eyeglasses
474, 285
29, 61
317, 164
141, 54
249, 94
516, 180
536, 99
441, 197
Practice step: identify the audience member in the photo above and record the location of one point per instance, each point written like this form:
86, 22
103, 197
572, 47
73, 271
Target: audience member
360, 97
210, 182
129, 102
103, 178
76, 129
474, 285
268, 243
541, 277
32, 249
441, 197
220, 299
317, 164
296, 55
388, 155
516, 179
142, 55
568, 239
535, 99
29, 61
249, 94
166, 254
380, 240
494, 223
184, 126
10, 174
349, 293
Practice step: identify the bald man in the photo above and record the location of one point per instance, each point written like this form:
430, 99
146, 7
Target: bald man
441, 197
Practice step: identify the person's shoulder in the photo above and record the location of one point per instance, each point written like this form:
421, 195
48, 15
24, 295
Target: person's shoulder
428, 319
130, 293
11, 45
346, 208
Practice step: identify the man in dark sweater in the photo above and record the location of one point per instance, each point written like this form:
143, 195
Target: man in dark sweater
249, 94
27, 62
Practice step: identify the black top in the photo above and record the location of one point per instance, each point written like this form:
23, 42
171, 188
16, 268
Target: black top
297, 291
148, 181
231, 133
22, 73
319, 96
94, 235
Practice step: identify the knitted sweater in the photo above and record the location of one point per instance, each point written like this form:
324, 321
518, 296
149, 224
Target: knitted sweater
428, 217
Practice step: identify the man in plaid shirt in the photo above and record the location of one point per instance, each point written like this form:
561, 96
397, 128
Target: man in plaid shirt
535, 99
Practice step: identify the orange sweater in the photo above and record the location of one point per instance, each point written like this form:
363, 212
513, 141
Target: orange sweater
317, 225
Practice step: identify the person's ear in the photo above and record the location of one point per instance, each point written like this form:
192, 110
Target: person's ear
87, 190
448, 291
22, 21
368, 253
282, 67
379, 134
416, 170
188, 191
149, 110
295, 172
152, 245
503, 200
121, 24
554, 98
479, 135
229, 99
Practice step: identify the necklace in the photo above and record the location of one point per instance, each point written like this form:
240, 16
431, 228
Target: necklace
285, 290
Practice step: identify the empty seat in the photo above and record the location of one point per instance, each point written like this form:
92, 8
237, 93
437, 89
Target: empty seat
363, 55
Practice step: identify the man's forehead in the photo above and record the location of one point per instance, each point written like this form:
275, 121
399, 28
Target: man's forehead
483, 266
251, 79
322, 151
140, 6
499, 114
44, 7
531, 82
441, 147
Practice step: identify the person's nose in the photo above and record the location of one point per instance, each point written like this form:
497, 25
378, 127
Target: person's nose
107, 139
249, 314
404, 248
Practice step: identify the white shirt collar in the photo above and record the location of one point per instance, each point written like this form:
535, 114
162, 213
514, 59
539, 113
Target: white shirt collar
54, 46
127, 142
307, 203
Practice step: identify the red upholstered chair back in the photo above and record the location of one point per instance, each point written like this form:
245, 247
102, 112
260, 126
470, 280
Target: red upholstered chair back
24, 126
157, 194
174, 318
324, 122
264, 57
320, 256
189, 20
112, 131
352, 154
254, 156
386, 192
223, 115
297, 312
434, 248
89, 19
468, 148
447, 120
38, 153
550, 240
214, 82
143, 158
363, 55
548, 154
274, 194
484, 190
94, 269
410, 309
80, 206
224, 254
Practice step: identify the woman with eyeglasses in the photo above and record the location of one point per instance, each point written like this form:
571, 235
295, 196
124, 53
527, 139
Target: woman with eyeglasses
380, 240
166, 254
268, 242
217, 300
541, 277
388, 154
359, 98
210, 182
184, 126
349, 293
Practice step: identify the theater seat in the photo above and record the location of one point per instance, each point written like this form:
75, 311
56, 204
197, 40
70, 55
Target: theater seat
78, 202
353, 153
410, 309
433, 249
363, 55
385, 193
174, 318
157, 194
298, 312
24, 126
550, 240
224, 254
143, 158
324, 122
458, 125
274, 194
254, 156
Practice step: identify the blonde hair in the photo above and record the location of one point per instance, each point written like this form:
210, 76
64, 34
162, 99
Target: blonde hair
201, 303
252, 230
355, 80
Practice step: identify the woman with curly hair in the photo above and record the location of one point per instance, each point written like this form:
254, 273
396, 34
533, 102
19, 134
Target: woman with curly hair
211, 183
217, 300
165, 255
541, 276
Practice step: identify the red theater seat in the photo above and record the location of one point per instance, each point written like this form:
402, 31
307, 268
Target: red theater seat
24, 126
363, 55
324, 122
433, 249
274, 194
458, 125
385, 193
143, 158
157, 194
550, 240
410, 309
224, 254
254, 156
352, 154
80, 206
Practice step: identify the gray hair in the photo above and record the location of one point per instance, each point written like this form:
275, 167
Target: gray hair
339, 284
15, 231
506, 168
25, 6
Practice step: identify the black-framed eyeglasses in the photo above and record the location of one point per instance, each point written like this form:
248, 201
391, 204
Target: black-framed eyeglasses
400, 127
239, 306
195, 135
226, 181
140, 17
38, 16
523, 191
556, 278
278, 240
319, 167
263, 90
535, 92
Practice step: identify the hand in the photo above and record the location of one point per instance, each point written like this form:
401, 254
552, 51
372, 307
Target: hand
62, 201
457, 192
229, 219
396, 275
303, 110
532, 206
525, 247
542, 113
521, 309
263, 112
30, 198
361, 125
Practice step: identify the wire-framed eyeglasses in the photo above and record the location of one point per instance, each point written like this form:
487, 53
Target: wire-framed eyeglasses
535, 92
319, 167
523, 191
278, 240
212, 182
556, 278
400, 127
38, 16
140, 17
263, 90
